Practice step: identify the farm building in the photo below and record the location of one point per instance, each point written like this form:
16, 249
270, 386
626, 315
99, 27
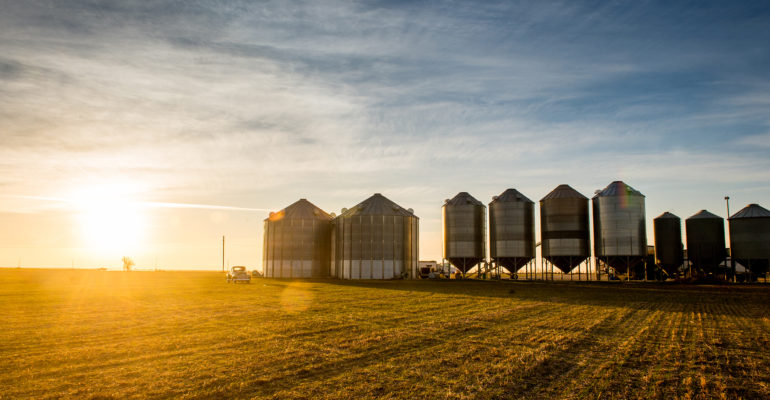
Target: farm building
620, 238
464, 227
376, 239
296, 242
512, 230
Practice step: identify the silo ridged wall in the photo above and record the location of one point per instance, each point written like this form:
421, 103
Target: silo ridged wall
750, 238
620, 239
464, 232
297, 248
750, 243
375, 246
512, 231
565, 229
668, 242
705, 242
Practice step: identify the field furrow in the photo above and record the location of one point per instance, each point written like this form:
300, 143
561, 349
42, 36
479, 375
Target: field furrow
95, 334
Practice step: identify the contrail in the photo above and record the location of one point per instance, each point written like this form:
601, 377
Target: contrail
45, 198
151, 204
202, 206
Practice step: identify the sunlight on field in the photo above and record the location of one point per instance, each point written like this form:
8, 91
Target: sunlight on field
296, 297
101, 334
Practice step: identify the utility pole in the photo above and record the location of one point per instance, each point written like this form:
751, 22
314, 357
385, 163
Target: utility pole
223, 253
732, 260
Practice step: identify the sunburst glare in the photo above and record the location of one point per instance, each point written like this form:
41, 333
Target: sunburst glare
111, 222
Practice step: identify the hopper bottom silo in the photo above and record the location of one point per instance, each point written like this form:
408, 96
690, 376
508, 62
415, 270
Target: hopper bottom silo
566, 263
513, 264
756, 266
465, 264
750, 239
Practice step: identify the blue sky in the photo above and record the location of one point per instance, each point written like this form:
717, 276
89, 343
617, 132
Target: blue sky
256, 104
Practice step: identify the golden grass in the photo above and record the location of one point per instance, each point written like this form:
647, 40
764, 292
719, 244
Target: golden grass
97, 334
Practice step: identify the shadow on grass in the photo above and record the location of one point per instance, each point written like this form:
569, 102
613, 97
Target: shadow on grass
746, 301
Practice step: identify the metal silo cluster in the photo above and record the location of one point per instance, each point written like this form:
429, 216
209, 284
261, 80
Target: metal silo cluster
619, 236
565, 231
378, 239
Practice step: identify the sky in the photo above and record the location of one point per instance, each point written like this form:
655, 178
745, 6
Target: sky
150, 129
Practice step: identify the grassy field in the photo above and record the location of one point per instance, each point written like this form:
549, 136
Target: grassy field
98, 334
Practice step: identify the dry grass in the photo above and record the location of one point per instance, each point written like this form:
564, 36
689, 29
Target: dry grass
93, 334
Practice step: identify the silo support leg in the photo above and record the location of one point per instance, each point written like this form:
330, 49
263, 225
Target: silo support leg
628, 269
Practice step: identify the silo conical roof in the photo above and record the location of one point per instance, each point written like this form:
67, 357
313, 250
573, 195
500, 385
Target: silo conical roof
463, 198
512, 195
752, 211
377, 205
667, 215
618, 188
703, 214
300, 209
564, 192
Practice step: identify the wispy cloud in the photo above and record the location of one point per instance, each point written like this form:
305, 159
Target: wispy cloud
245, 103
761, 141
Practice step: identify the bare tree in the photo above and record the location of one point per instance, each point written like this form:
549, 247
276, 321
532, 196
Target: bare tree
127, 263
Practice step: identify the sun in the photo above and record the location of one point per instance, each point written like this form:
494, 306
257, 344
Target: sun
110, 222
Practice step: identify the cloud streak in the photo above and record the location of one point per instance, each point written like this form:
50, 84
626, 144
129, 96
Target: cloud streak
49, 203
249, 103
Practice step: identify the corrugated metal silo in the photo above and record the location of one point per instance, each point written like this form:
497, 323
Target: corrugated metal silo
620, 238
464, 223
564, 228
750, 238
512, 230
705, 241
668, 242
376, 239
296, 242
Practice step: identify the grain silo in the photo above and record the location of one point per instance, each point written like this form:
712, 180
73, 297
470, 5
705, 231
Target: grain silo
512, 230
750, 238
464, 231
297, 242
668, 243
705, 242
620, 238
564, 228
376, 239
